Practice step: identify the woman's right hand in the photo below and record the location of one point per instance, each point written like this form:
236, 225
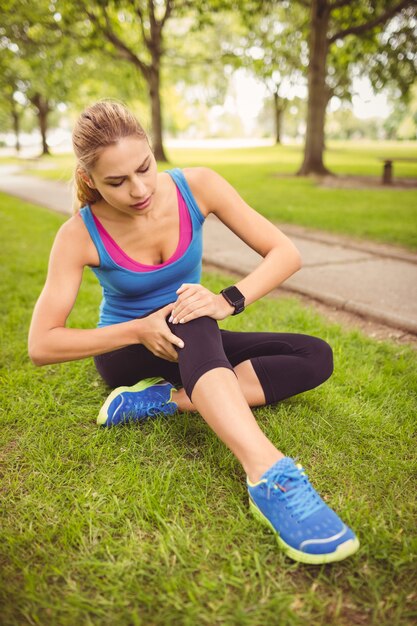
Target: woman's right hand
156, 335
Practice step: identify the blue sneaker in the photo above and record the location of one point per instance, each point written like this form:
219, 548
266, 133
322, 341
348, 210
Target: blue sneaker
147, 398
307, 529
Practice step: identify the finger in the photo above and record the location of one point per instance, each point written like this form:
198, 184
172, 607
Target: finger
192, 290
166, 309
171, 352
167, 356
201, 311
191, 305
179, 305
184, 307
172, 357
185, 286
167, 351
174, 340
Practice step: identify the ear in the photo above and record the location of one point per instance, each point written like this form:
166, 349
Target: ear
86, 178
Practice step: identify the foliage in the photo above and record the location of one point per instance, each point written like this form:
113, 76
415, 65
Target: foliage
197, 57
378, 40
133, 32
10, 109
29, 34
273, 48
334, 24
167, 50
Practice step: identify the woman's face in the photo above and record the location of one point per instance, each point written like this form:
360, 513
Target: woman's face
125, 175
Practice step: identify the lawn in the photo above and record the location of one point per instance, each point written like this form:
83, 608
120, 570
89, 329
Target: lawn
264, 176
149, 525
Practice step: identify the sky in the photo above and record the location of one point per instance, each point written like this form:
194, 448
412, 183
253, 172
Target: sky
250, 93
247, 94
366, 103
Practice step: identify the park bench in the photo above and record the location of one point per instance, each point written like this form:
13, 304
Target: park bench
388, 169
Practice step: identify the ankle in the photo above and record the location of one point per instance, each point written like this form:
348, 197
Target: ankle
255, 471
182, 401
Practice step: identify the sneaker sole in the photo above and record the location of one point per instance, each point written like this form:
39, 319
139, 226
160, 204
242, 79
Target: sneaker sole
140, 386
342, 551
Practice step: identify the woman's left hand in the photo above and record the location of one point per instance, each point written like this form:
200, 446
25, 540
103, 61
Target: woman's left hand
196, 301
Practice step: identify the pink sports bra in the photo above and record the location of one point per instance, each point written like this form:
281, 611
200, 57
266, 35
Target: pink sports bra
122, 259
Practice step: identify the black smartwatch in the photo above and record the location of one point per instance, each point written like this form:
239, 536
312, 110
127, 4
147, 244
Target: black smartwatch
235, 298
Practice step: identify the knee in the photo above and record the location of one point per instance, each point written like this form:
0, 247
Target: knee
201, 327
321, 360
203, 350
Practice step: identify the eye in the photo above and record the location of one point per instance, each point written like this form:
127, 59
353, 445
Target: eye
145, 169
115, 184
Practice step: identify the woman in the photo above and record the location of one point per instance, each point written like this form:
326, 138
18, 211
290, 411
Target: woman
141, 233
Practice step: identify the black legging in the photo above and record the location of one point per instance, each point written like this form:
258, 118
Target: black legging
285, 363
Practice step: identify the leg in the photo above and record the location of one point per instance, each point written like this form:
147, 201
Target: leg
214, 390
248, 381
126, 366
280, 493
272, 366
219, 399
269, 366
285, 364
218, 387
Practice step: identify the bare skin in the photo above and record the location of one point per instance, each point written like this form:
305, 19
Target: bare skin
219, 398
234, 422
249, 384
138, 208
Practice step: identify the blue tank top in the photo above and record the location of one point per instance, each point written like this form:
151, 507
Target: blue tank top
128, 294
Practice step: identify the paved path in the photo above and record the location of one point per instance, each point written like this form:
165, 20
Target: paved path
375, 281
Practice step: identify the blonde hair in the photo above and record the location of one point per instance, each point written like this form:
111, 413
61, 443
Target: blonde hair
99, 126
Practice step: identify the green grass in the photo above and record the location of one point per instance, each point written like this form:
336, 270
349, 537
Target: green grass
10, 160
263, 177
149, 525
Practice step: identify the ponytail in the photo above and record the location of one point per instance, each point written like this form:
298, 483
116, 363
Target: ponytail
83, 194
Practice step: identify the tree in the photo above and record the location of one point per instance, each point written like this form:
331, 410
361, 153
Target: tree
402, 122
332, 21
133, 30
9, 78
200, 57
394, 64
271, 50
49, 68
42, 61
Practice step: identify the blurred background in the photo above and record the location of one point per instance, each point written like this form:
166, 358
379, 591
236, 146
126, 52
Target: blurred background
211, 73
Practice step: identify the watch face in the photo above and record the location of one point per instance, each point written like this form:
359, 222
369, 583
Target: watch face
235, 298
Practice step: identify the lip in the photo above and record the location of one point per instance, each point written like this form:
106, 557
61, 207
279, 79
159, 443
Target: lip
143, 204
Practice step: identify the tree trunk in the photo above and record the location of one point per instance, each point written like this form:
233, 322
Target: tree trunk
154, 93
16, 127
278, 110
42, 110
43, 125
317, 90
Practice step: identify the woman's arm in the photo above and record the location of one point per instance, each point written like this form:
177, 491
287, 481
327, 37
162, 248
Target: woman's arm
281, 258
51, 342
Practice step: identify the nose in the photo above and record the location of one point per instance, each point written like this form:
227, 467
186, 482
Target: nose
138, 187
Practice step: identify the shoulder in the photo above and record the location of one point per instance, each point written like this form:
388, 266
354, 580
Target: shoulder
206, 186
197, 177
73, 239
72, 230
